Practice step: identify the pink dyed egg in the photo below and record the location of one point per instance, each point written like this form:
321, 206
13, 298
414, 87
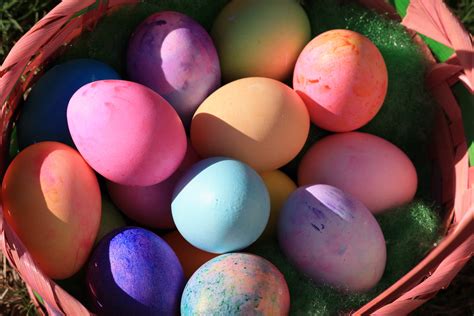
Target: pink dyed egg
342, 78
151, 205
368, 167
126, 132
332, 238
175, 56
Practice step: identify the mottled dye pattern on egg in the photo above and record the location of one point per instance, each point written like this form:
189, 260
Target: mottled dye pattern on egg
236, 284
332, 238
175, 56
134, 272
342, 78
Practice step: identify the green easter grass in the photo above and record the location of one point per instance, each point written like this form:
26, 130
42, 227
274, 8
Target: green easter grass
405, 119
410, 232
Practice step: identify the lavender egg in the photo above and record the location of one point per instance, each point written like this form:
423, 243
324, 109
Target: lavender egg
134, 272
332, 238
172, 54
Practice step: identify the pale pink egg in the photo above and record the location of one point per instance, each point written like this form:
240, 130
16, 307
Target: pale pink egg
342, 78
367, 167
126, 132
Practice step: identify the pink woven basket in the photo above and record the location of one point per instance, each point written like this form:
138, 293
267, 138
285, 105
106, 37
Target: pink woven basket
454, 179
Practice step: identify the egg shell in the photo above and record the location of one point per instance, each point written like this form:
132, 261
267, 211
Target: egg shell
151, 205
220, 205
111, 218
134, 272
279, 187
51, 199
126, 132
259, 121
332, 238
191, 258
260, 38
236, 284
342, 78
175, 56
43, 115
368, 167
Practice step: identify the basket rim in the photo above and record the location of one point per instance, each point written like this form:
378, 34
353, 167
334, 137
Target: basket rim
64, 23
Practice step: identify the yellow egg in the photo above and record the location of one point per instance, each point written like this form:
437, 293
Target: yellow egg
260, 38
259, 121
279, 186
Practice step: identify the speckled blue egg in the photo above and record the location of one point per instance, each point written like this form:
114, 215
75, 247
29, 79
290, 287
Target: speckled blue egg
43, 116
134, 272
332, 238
236, 284
220, 205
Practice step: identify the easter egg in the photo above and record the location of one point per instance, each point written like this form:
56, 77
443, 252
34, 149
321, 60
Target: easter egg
132, 271
126, 132
220, 205
368, 167
332, 238
342, 79
175, 56
111, 218
51, 199
43, 115
151, 205
279, 187
260, 38
259, 121
236, 284
191, 258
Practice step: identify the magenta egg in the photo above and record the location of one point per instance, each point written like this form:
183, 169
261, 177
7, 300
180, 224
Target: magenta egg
126, 132
175, 56
332, 238
151, 205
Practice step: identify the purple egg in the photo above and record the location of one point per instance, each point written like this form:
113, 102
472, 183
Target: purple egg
134, 272
151, 205
175, 56
332, 238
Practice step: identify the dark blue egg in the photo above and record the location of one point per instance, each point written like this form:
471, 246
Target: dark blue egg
134, 272
43, 116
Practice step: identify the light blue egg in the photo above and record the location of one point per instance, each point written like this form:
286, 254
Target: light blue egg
221, 205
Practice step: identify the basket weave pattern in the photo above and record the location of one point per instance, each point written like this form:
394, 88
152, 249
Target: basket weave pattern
453, 183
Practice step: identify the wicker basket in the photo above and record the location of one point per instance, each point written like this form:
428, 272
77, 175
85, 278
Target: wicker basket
453, 184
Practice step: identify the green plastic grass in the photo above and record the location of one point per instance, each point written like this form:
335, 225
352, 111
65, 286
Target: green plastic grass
410, 232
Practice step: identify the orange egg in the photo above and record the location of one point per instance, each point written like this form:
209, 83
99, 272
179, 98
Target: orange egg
191, 258
259, 121
51, 199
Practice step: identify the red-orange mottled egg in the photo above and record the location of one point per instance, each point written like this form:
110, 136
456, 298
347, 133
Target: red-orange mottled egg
51, 199
342, 78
